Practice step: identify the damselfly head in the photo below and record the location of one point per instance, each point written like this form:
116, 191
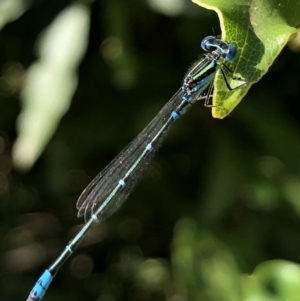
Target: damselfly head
212, 44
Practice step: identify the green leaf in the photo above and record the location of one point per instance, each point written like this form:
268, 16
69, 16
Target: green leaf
50, 83
205, 269
260, 29
11, 10
278, 279
203, 266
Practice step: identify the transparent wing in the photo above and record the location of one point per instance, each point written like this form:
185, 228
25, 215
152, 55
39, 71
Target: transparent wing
105, 189
110, 188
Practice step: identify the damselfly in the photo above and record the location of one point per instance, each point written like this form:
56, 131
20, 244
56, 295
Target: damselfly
111, 187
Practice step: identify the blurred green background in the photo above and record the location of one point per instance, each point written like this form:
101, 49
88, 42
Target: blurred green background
217, 214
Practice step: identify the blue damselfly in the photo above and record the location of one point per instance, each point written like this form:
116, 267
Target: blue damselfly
110, 188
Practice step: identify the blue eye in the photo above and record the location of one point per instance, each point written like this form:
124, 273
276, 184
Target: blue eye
231, 53
208, 43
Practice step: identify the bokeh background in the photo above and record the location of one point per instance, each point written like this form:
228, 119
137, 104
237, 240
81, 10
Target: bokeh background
217, 214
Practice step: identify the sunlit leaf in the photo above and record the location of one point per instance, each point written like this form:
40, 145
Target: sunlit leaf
260, 29
206, 270
10, 10
51, 82
280, 280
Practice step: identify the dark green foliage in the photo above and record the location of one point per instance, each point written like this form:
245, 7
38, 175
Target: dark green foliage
218, 204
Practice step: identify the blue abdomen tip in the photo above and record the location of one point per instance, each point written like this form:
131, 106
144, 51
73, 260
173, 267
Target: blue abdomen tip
41, 285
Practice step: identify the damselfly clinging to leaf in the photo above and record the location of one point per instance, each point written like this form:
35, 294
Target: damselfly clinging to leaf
111, 186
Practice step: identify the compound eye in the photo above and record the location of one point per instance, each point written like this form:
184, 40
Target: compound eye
231, 53
208, 43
